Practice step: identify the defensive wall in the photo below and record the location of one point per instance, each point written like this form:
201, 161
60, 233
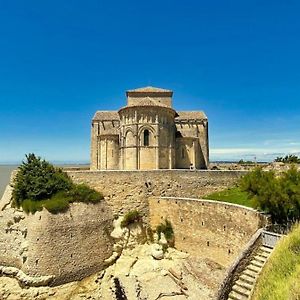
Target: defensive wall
128, 190
215, 230
69, 246
75, 244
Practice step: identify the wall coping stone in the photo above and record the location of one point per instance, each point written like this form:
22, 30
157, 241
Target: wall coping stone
212, 202
159, 171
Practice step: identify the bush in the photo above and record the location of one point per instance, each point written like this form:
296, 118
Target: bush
57, 203
288, 159
39, 184
277, 195
130, 218
37, 180
83, 193
167, 229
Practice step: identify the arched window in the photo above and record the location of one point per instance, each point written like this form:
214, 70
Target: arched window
146, 137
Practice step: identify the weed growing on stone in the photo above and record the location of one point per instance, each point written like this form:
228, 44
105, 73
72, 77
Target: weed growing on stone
130, 218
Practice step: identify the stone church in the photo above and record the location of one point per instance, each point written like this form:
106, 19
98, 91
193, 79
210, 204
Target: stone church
149, 134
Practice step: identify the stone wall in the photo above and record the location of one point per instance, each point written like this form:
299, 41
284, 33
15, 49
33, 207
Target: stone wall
70, 245
74, 244
212, 230
128, 190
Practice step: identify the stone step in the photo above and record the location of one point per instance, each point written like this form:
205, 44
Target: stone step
240, 290
257, 263
250, 273
260, 258
265, 249
236, 296
244, 285
254, 268
248, 279
263, 255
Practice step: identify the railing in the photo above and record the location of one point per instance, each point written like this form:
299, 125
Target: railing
270, 239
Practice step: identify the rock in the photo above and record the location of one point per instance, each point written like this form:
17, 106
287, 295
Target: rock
157, 251
163, 241
51, 293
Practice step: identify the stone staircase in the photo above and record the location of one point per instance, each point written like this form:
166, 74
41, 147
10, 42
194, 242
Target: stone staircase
242, 288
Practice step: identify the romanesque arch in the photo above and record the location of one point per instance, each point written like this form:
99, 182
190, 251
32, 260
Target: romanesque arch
129, 139
146, 136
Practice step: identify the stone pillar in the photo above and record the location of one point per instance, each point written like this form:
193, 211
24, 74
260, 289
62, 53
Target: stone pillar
157, 142
106, 154
99, 153
137, 148
121, 162
94, 146
194, 154
207, 144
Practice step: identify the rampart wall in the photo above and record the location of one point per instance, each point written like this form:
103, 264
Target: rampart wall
70, 245
209, 229
127, 190
74, 244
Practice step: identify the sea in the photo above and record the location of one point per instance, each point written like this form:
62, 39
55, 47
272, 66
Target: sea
5, 172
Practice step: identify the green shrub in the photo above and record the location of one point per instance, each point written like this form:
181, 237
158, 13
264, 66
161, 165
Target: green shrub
30, 206
130, 218
58, 203
167, 229
288, 159
277, 195
83, 193
39, 184
37, 180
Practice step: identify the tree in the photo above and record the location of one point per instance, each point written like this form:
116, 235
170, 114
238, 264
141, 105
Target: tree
276, 195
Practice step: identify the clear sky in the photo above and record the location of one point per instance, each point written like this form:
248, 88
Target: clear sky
60, 61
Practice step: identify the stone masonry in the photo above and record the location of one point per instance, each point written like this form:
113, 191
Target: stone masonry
149, 134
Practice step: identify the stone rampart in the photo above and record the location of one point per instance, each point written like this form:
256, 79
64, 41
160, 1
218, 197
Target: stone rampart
127, 190
67, 246
75, 244
212, 230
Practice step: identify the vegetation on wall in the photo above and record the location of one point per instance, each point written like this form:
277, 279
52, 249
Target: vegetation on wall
167, 229
130, 218
39, 184
280, 278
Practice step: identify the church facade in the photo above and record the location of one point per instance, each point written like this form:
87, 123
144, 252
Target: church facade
149, 134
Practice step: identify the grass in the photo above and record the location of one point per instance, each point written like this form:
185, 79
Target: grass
60, 201
232, 195
280, 279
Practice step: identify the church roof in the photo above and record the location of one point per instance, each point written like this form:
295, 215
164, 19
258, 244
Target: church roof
149, 90
191, 115
148, 101
106, 116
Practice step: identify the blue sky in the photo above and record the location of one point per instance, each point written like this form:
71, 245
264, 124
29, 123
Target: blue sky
60, 61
